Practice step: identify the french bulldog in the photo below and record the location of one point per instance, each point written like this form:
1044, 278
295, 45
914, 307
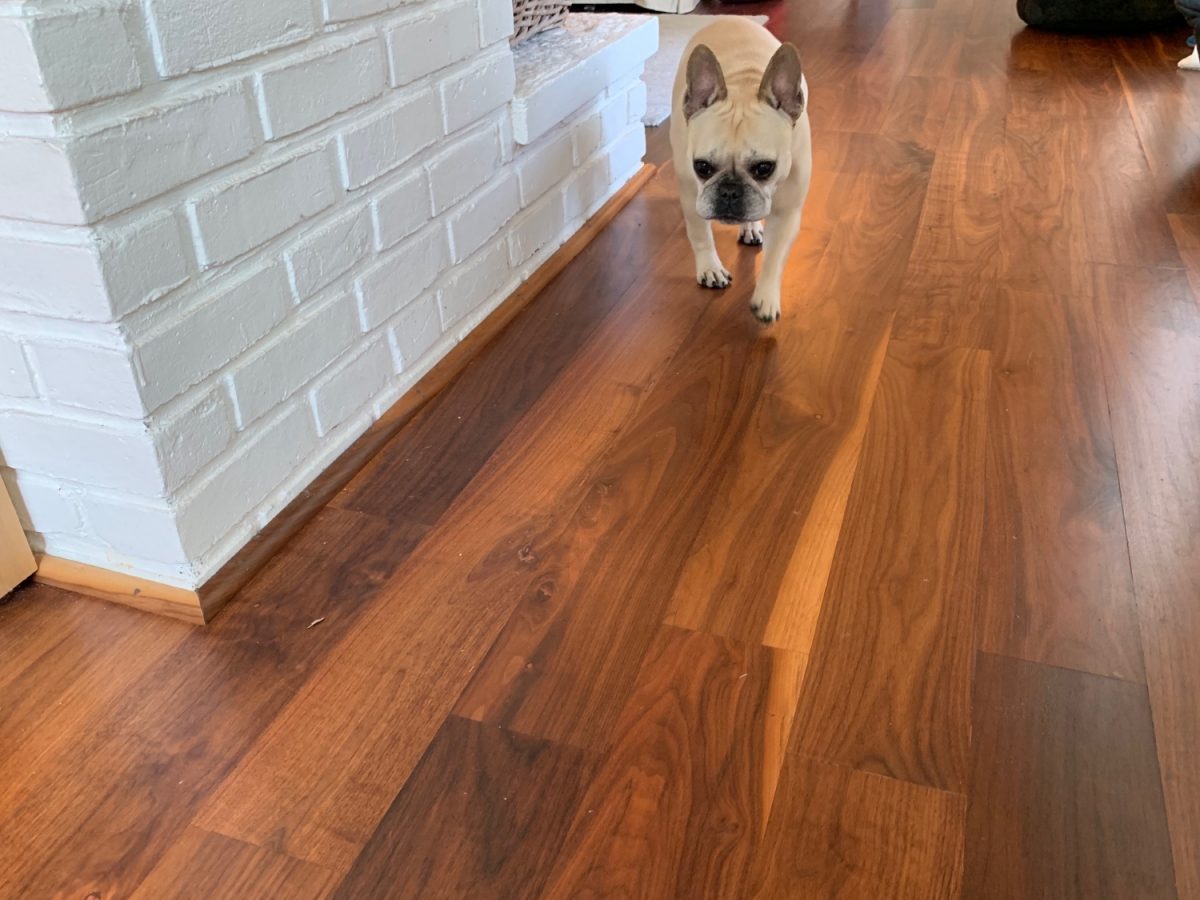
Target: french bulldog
742, 149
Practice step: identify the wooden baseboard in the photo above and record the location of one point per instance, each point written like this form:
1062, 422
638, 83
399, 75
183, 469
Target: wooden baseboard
128, 590
199, 606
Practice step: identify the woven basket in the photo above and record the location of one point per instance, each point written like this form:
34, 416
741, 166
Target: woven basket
531, 17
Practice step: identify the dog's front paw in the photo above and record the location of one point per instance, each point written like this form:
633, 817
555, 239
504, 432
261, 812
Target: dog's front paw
713, 275
751, 234
765, 306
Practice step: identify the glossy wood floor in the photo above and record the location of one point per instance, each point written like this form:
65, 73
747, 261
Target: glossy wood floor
899, 598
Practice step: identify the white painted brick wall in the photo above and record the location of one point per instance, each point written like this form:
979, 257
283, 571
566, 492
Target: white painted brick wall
15, 380
378, 145
400, 275
250, 473
232, 234
210, 332
238, 216
401, 209
547, 164
193, 435
88, 377
481, 216
431, 40
472, 283
343, 10
414, 330
321, 256
65, 57
351, 387
291, 358
463, 167
45, 504
189, 36
297, 94
93, 275
164, 147
495, 21
39, 181
111, 517
470, 95
537, 227
104, 455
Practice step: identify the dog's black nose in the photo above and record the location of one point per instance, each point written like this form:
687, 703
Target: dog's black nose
730, 189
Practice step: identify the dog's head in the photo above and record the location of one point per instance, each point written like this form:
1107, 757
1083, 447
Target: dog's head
740, 152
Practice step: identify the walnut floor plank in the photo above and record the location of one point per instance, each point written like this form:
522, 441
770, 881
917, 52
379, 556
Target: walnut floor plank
758, 567
944, 303
1167, 117
561, 669
844, 835
961, 215
116, 792
683, 797
1064, 799
481, 817
1150, 332
1057, 587
206, 866
888, 689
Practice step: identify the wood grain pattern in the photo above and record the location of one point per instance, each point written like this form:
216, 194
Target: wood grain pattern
1150, 333
1065, 796
114, 791
206, 866
845, 835
684, 794
945, 303
888, 689
1166, 115
482, 816
991, 329
758, 566
1057, 586
657, 479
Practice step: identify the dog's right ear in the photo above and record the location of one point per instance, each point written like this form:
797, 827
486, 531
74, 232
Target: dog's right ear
705, 81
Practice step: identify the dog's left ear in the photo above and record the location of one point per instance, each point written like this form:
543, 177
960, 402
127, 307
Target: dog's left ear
781, 86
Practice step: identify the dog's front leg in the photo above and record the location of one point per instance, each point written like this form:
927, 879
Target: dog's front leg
778, 237
709, 270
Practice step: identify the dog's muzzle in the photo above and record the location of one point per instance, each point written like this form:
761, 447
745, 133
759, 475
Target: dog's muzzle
729, 200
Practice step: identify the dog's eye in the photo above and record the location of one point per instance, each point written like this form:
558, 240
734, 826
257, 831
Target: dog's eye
703, 168
762, 170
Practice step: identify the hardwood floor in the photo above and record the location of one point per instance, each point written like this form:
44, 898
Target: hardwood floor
899, 598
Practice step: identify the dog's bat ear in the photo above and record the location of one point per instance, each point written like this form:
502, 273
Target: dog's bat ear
705, 81
782, 87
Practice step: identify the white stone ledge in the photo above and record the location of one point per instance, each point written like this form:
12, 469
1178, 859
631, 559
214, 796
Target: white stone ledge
559, 71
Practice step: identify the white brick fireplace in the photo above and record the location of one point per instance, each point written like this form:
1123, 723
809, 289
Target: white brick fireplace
233, 233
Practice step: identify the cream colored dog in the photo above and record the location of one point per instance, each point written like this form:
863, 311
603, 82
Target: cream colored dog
742, 147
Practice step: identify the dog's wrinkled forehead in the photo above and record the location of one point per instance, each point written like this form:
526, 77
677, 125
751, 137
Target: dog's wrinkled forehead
737, 135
